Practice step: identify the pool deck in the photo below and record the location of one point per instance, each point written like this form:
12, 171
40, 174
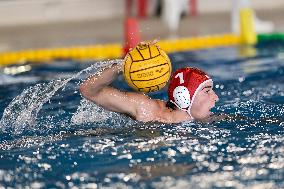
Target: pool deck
105, 31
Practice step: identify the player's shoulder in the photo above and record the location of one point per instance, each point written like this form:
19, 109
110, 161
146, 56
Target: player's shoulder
143, 100
149, 109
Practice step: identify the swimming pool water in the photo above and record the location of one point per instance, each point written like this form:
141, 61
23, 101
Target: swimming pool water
51, 138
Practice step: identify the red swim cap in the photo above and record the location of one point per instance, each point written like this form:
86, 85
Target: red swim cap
184, 85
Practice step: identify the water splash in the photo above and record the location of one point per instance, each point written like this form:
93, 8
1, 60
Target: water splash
22, 112
89, 112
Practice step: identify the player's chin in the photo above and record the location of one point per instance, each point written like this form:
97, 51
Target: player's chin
206, 115
210, 110
209, 114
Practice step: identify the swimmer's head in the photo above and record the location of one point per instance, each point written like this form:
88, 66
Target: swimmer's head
191, 90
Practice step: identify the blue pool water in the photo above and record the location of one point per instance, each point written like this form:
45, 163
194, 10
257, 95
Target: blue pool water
51, 138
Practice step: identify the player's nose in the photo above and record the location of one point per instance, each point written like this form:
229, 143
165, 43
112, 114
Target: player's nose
215, 96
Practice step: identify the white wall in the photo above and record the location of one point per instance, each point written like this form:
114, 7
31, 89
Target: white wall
15, 12
210, 6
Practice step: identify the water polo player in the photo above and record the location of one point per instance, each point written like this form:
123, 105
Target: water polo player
190, 91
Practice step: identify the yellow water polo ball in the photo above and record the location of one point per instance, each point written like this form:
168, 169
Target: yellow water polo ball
147, 68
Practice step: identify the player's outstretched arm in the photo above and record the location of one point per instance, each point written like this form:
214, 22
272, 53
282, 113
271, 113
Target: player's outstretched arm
96, 89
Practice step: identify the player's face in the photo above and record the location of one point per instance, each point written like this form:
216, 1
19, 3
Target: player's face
204, 101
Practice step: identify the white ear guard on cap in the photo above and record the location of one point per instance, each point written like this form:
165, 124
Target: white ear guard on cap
182, 99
